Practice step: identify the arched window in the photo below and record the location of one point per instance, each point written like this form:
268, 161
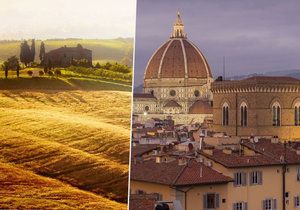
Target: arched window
276, 114
297, 114
225, 114
244, 114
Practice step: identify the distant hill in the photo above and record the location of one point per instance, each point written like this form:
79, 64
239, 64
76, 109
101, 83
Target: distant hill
138, 89
119, 50
290, 73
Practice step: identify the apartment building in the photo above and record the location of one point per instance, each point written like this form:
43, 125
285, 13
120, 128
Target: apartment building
260, 174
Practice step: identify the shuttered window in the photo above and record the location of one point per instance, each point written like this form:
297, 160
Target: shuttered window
240, 179
240, 206
270, 204
255, 177
297, 202
211, 201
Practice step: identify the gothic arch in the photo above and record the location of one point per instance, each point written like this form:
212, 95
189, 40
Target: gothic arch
275, 101
296, 101
225, 101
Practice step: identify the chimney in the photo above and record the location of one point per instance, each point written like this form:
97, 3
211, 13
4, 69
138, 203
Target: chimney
158, 159
275, 140
227, 151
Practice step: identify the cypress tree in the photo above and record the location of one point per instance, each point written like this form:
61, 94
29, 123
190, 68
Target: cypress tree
32, 50
42, 53
25, 53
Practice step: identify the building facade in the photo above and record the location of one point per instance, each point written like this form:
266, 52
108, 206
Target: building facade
260, 175
258, 106
67, 56
179, 78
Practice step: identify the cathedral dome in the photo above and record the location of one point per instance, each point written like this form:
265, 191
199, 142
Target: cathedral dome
177, 58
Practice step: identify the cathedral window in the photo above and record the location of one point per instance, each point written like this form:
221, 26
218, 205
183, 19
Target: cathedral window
172, 93
297, 114
244, 114
196, 93
225, 114
276, 114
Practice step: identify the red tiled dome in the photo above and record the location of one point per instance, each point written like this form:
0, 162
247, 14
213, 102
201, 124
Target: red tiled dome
177, 58
200, 107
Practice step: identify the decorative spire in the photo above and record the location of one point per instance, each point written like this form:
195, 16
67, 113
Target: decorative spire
178, 28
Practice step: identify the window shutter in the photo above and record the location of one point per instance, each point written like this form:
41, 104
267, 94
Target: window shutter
264, 204
204, 201
274, 204
251, 178
235, 179
245, 206
260, 177
217, 200
244, 179
295, 201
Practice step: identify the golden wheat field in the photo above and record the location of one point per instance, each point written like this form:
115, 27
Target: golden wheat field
64, 149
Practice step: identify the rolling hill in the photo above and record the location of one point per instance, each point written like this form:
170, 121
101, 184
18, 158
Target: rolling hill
119, 50
26, 190
65, 149
288, 73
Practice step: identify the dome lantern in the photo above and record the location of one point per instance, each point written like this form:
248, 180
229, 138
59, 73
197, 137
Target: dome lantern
178, 28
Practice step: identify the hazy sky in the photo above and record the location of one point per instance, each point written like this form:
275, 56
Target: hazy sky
255, 35
67, 19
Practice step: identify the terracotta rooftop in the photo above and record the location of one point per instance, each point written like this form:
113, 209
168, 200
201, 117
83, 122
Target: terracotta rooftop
201, 107
68, 49
275, 150
142, 201
172, 174
172, 103
177, 58
255, 81
141, 149
235, 160
143, 95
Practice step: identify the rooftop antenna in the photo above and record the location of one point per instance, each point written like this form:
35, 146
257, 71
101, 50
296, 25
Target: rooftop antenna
224, 68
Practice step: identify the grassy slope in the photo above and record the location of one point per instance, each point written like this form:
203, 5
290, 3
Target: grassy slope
71, 83
24, 189
103, 49
79, 137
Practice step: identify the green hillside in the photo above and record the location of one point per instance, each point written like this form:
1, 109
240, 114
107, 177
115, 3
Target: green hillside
119, 50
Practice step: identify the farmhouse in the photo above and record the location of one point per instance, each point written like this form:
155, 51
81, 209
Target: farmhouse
65, 56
